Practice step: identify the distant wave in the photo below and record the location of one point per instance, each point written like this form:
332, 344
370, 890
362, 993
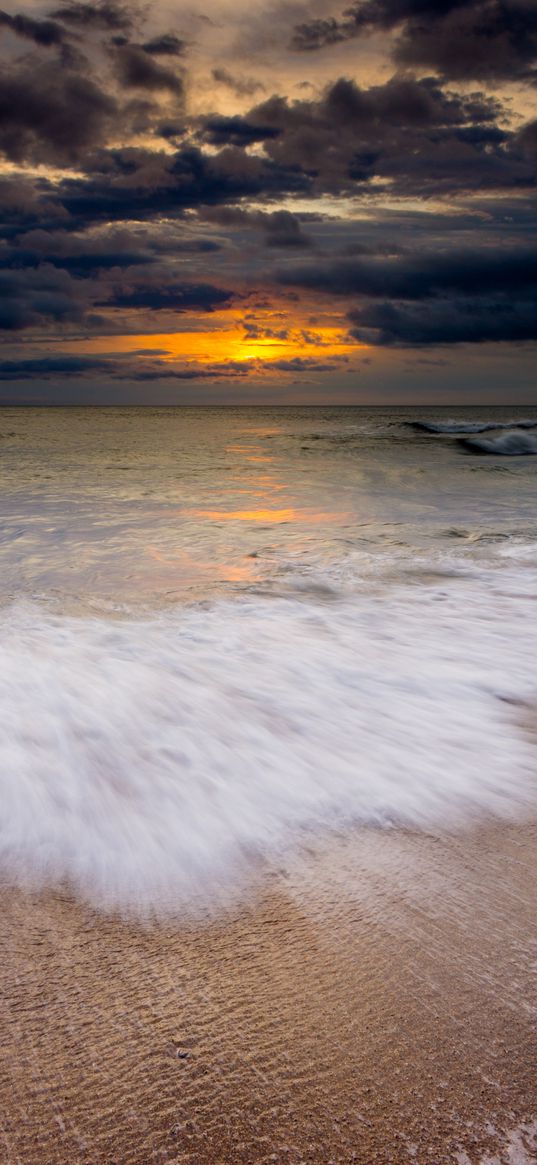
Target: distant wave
468, 426
149, 761
508, 445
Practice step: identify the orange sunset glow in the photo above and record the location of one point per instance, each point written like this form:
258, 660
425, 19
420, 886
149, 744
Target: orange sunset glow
255, 204
223, 338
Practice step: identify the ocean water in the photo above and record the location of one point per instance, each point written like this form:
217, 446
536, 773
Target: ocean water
225, 631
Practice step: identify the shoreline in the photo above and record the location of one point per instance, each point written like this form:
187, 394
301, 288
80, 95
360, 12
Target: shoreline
375, 1003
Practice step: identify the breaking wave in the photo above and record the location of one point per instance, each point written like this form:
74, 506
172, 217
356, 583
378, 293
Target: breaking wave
508, 445
468, 426
150, 761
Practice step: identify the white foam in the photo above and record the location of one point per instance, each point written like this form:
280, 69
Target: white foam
146, 761
453, 426
508, 445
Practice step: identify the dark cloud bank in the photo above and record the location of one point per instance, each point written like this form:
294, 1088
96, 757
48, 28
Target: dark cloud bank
457, 39
83, 247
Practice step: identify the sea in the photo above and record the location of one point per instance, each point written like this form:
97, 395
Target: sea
227, 631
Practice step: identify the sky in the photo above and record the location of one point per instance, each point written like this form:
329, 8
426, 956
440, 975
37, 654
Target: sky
282, 203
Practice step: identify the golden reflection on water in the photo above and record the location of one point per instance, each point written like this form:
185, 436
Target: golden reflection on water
248, 500
248, 515
304, 516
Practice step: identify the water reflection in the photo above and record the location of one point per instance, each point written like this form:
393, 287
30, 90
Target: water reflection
186, 566
139, 506
248, 515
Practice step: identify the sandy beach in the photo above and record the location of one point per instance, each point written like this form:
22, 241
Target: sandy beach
375, 1002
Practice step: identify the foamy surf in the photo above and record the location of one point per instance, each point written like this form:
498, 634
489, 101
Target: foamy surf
508, 445
147, 762
453, 427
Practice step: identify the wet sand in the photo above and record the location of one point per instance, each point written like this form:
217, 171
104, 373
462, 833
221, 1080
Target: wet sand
376, 1003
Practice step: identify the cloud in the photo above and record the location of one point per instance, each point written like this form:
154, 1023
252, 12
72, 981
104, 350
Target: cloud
42, 32
172, 297
446, 322
79, 255
242, 86
487, 40
122, 199
412, 134
33, 297
280, 228
231, 369
143, 184
51, 114
166, 45
137, 70
459, 39
449, 297
420, 275
237, 131
307, 364
115, 366
526, 139
45, 367
107, 15
284, 229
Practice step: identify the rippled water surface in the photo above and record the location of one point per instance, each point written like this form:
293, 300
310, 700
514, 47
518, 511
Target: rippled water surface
221, 628
122, 508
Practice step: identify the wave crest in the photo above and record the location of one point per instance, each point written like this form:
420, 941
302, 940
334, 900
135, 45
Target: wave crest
469, 427
508, 445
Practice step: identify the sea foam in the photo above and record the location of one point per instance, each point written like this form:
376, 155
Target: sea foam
508, 445
148, 762
454, 427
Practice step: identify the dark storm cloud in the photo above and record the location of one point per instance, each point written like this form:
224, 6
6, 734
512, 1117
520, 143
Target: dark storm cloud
129, 367
280, 228
492, 40
44, 367
137, 70
81, 259
171, 131
527, 139
173, 297
415, 300
56, 107
33, 297
106, 16
418, 276
464, 39
348, 110
57, 276
25, 204
236, 131
84, 255
284, 229
122, 228
143, 185
445, 322
51, 114
114, 366
166, 45
415, 135
42, 32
